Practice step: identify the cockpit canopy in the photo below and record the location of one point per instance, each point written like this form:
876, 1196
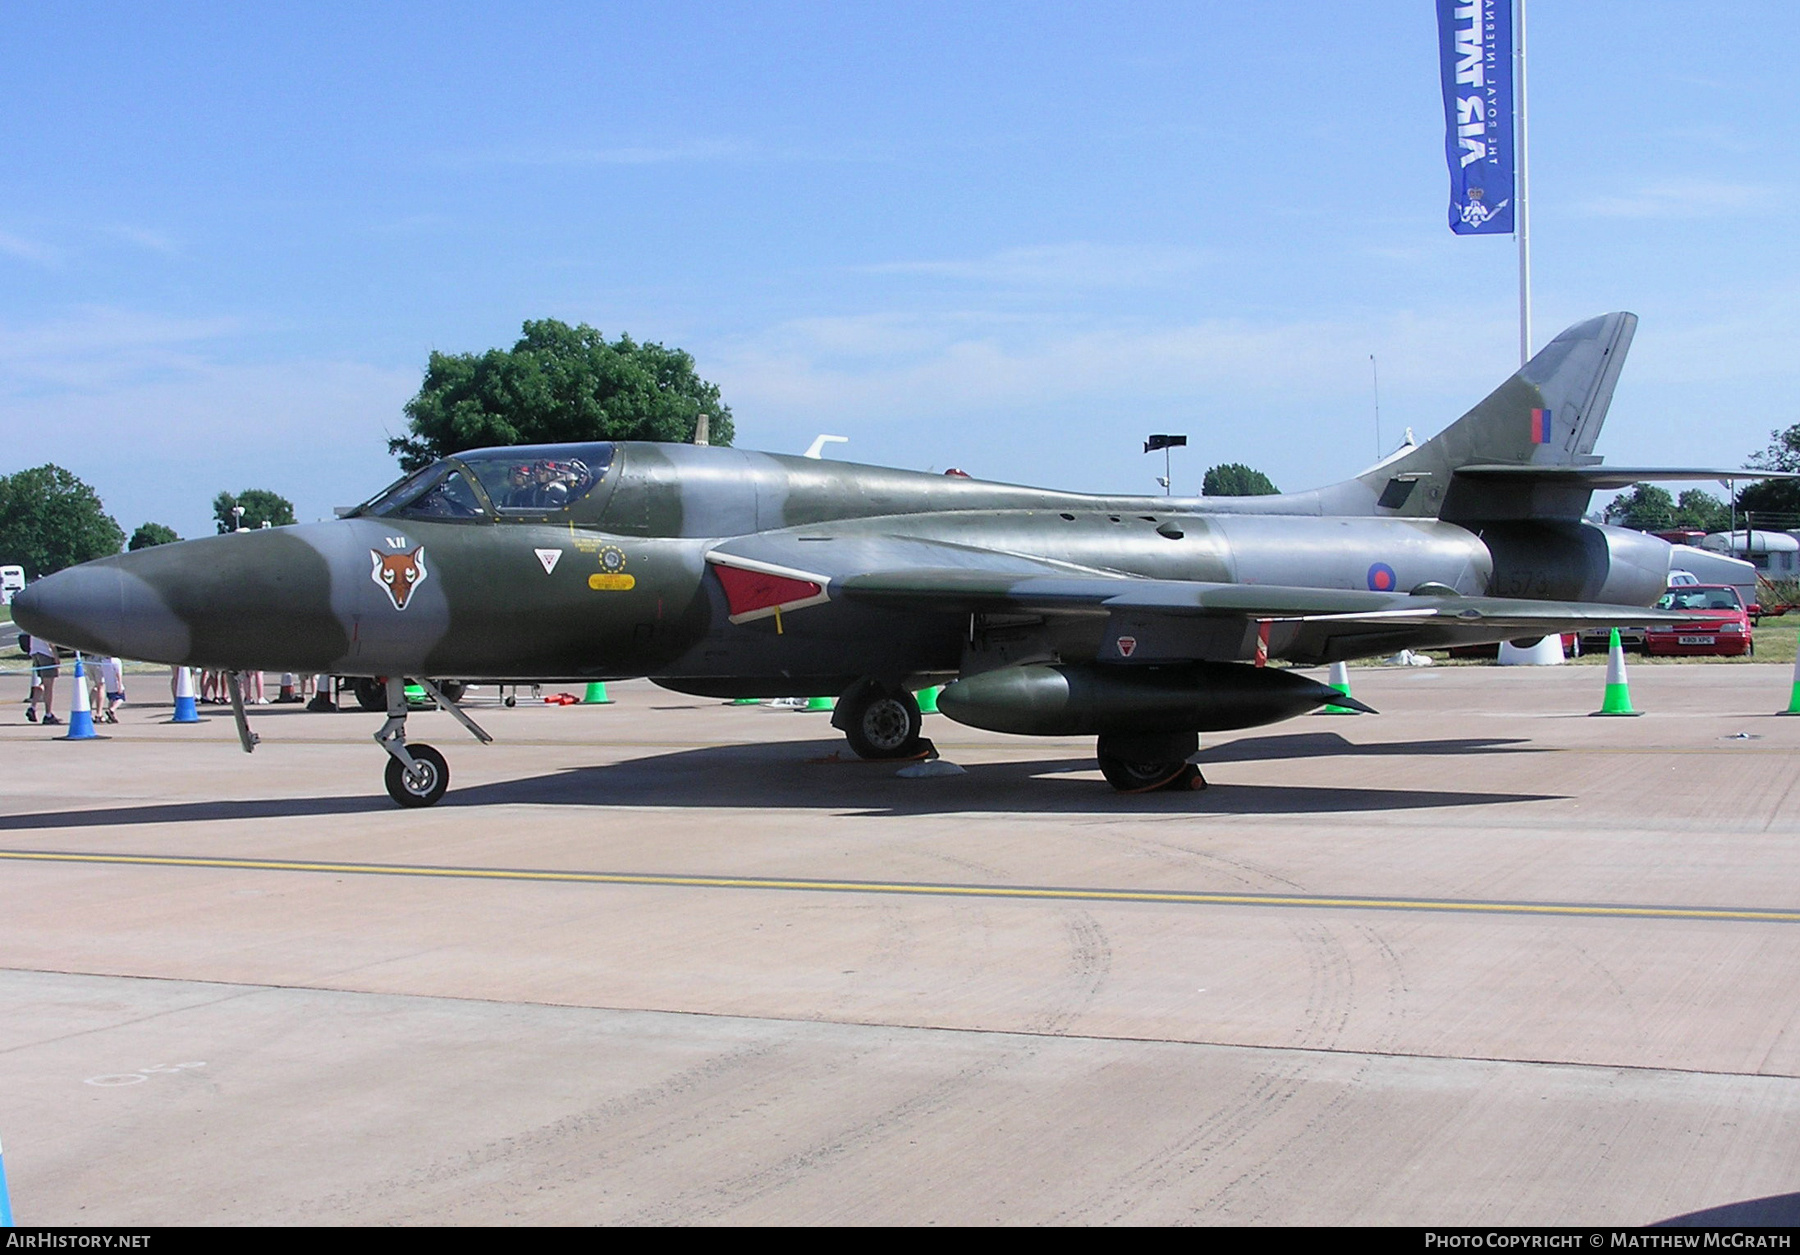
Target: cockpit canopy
522, 482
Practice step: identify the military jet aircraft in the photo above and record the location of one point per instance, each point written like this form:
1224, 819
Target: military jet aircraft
1141, 621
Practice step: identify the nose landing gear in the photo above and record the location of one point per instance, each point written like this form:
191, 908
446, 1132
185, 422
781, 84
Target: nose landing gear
423, 783
417, 775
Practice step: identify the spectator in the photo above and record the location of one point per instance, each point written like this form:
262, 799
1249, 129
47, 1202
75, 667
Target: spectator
44, 670
108, 682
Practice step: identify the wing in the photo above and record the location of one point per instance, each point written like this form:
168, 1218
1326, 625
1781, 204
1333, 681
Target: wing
1143, 620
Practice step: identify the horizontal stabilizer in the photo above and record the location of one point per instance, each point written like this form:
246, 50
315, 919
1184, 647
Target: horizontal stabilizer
1601, 478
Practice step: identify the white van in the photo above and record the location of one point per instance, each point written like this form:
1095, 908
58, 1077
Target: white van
12, 579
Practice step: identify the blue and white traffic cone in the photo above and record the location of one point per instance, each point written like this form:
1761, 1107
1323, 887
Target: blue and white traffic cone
81, 715
6, 1220
185, 710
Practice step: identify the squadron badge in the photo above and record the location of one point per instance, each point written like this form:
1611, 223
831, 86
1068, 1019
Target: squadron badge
398, 574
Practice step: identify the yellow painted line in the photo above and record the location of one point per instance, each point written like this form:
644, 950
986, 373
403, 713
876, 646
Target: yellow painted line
1039, 892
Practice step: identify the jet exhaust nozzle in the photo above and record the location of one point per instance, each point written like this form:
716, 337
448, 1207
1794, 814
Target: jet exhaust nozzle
1065, 700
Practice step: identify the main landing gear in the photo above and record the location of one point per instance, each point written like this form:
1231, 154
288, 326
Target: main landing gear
1141, 762
417, 774
880, 721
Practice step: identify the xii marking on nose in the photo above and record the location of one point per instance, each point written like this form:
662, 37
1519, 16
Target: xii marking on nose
395, 542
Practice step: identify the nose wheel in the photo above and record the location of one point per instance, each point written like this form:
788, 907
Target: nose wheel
424, 783
417, 775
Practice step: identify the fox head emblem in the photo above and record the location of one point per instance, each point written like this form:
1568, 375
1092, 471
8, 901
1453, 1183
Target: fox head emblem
398, 574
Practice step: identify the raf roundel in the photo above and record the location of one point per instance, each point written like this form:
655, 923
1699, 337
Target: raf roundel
1382, 578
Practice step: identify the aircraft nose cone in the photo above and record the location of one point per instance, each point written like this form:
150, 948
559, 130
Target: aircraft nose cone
98, 608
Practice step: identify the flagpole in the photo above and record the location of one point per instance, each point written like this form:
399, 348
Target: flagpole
1521, 206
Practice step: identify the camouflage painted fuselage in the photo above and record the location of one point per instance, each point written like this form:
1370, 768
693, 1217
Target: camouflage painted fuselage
623, 581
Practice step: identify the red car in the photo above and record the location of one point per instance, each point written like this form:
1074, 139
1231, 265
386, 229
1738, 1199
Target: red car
1720, 623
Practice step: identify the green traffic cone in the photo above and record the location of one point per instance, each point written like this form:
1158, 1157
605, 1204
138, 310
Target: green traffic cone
1794, 698
596, 695
928, 699
821, 703
415, 695
1618, 693
1339, 679
746, 701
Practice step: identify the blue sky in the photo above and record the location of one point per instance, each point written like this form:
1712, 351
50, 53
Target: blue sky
1011, 238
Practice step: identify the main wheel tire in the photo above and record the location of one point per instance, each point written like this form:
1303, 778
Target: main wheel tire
424, 788
371, 694
1139, 777
883, 723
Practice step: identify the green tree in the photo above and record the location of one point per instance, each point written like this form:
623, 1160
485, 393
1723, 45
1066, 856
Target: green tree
50, 520
1234, 479
558, 383
1699, 509
1775, 502
260, 506
152, 534
1646, 507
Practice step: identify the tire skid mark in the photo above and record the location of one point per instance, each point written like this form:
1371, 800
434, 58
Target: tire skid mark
1245, 874
503, 1155
1089, 964
893, 943
1331, 986
1397, 999
1177, 1167
1173, 1164
1241, 1198
720, 1199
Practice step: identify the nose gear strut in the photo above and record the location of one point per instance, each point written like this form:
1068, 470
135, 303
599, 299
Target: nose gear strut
417, 775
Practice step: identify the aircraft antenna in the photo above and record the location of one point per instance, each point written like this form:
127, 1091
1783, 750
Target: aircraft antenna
1375, 375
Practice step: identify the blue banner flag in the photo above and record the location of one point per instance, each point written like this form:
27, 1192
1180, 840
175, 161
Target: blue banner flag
1475, 58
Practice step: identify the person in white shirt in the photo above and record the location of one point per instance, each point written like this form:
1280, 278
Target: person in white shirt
44, 670
108, 688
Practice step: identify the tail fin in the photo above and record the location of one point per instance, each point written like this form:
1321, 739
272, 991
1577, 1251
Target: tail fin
1547, 415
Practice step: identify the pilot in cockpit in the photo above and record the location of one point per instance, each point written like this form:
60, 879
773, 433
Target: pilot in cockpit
551, 491
545, 484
